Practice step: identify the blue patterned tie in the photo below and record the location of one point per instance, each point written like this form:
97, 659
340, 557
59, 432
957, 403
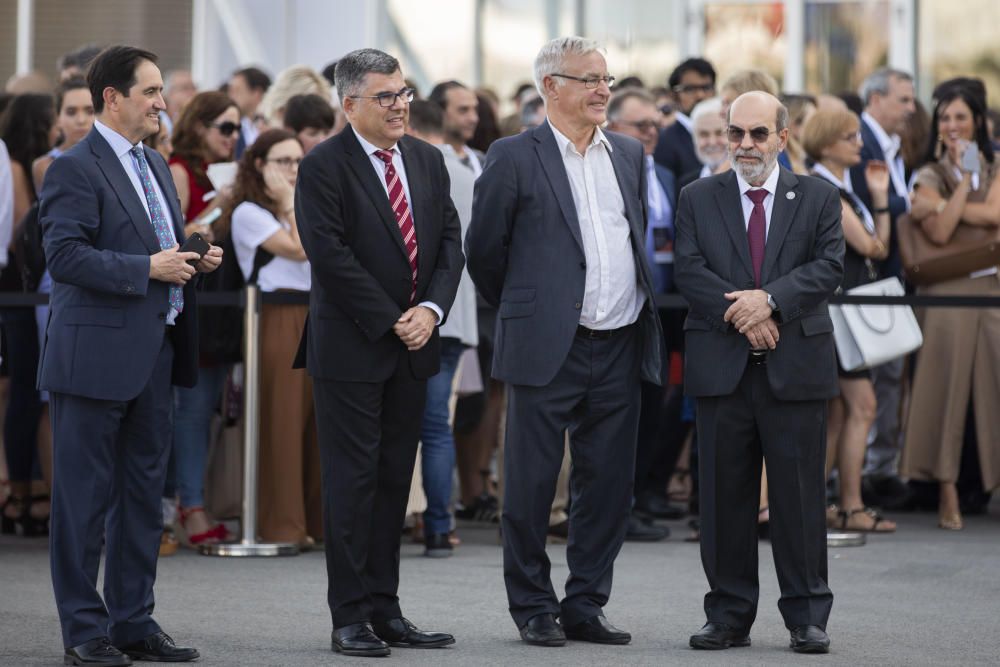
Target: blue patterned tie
160, 224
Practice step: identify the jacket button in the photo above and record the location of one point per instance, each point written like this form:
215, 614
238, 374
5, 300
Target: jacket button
578, 305
583, 265
161, 316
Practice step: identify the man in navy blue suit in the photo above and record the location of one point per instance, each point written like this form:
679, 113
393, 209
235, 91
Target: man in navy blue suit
121, 330
691, 82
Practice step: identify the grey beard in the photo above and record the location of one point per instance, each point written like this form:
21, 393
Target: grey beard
755, 173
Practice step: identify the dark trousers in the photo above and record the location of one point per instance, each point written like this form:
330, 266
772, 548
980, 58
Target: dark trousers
20, 428
734, 433
368, 435
109, 466
596, 396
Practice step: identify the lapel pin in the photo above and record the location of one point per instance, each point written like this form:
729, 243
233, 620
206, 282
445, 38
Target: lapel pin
789, 195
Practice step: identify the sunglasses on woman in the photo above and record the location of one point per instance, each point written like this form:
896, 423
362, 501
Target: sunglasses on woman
226, 129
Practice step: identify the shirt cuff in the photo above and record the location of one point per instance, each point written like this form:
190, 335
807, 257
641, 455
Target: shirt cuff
433, 306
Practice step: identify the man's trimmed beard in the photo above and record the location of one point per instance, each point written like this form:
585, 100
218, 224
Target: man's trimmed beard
711, 159
757, 172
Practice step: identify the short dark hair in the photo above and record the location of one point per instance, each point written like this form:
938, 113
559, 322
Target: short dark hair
352, 69
115, 67
426, 117
439, 93
256, 78
81, 58
72, 83
618, 101
302, 111
330, 73
631, 81
698, 65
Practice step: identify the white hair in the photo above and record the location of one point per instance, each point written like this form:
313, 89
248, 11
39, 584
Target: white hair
712, 105
550, 58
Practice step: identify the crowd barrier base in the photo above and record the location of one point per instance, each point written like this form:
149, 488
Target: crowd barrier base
249, 546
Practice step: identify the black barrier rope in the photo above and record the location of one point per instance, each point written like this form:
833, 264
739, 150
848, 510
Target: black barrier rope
663, 301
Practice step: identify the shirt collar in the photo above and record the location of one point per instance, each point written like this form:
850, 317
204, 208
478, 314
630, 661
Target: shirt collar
685, 122
843, 182
888, 143
566, 146
368, 146
119, 144
771, 184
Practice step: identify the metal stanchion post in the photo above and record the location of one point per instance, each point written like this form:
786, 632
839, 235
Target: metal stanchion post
249, 546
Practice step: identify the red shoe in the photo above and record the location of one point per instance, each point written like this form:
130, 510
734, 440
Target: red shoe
214, 535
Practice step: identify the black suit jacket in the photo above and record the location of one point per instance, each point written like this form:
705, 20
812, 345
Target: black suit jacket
361, 278
526, 253
803, 265
107, 317
675, 151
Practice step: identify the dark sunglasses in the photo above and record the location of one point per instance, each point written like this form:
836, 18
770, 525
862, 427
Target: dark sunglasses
643, 125
694, 88
666, 109
758, 135
227, 128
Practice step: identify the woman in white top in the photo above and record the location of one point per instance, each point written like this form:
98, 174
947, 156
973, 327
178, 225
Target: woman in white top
266, 240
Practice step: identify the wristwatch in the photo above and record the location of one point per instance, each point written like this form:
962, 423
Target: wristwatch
771, 302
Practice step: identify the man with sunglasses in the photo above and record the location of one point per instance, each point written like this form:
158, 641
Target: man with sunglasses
760, 361
384, 241
556, 243
691, 82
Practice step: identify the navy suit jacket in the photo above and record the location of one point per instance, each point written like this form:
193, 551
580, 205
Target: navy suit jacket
663, 274
803, 265
107, 318
675, 150
526, 256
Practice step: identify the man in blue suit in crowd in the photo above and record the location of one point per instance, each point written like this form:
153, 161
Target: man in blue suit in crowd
121, 331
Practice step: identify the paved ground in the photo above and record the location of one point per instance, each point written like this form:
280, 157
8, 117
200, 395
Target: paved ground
920, 597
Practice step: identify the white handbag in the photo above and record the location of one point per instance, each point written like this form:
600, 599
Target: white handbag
870, 335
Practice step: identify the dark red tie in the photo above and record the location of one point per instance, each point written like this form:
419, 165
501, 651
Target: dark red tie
756, 232
401, 209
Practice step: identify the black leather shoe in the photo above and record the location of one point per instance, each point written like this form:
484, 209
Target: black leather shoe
542, 630
643, 530
716, 636
659, 507
810, 639
400, 632
159, 647
597, 629
358, 639
438, 546
98, 651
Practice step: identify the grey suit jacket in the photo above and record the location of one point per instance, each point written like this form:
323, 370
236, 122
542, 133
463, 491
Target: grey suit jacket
803, 264
525, 253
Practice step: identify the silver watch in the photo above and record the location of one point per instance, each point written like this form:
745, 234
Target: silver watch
771, 303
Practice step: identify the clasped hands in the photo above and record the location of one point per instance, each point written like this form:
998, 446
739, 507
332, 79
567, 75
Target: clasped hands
171, 265
415, 326
751, 316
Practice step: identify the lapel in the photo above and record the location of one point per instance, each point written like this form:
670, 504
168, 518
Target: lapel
668, 184
782, 215
555, 171
628, 183
728, 199
418, 177
361, 164
112, 169
162, 174
870, 141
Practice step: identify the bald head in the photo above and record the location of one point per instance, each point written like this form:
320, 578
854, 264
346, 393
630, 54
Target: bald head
757, 105
758, 131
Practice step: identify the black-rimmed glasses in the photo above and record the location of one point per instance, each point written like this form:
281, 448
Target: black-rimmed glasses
388, 99
226, 129
590, 82
758, 135
708, 88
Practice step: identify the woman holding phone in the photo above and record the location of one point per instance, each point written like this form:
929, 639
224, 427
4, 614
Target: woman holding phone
957, 365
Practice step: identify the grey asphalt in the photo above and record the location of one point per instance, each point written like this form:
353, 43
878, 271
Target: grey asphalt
922, 596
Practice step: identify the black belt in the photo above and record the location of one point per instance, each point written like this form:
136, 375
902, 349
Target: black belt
758, 357
601, 334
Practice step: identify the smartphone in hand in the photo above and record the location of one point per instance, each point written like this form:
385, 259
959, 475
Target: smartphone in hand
195, 243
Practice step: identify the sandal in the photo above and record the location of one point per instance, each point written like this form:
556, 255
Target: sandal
832, 515
877, 520
214, 535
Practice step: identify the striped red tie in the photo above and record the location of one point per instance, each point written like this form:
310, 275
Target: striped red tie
401, 209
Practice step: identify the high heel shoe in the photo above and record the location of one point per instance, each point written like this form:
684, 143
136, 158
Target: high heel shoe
24, 524
214, 535
36, 526
9, 525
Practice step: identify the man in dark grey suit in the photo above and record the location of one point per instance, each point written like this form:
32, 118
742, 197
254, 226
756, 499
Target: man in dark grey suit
557, 242
758, 252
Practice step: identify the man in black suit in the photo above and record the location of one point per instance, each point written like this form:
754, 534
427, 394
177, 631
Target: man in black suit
121, 331
691, 82
557, 242
385, 246
759, 251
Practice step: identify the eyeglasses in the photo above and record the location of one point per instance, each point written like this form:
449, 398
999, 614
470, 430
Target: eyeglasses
388, 99
643, 125
285, 162
758, 135
666, 109
226, 129
590, 82
694, 88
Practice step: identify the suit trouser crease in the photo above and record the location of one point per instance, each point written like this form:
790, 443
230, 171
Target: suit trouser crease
368, 435
596, 396
736, 434
109, 468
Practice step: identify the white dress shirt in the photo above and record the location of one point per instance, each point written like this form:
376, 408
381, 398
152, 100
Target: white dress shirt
6, 203
890, 148
685, 122
122, 148
612, 296
771, 185
397, 162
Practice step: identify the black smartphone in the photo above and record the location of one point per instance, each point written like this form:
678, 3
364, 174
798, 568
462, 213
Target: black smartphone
195, 243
